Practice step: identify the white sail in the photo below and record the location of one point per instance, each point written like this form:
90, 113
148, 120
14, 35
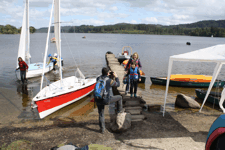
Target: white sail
24, 44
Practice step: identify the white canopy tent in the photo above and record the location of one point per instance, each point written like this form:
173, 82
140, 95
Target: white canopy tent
210, 54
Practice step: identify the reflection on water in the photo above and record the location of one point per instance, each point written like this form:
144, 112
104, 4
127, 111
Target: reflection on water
78, 108
141, 85
22, 91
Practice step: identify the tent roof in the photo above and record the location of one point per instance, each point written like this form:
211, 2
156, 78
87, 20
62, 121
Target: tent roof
209, 54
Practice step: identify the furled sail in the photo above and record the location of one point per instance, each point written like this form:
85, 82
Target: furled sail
57, 25
57, 31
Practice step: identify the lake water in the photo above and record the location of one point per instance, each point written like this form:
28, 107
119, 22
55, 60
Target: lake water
89, 55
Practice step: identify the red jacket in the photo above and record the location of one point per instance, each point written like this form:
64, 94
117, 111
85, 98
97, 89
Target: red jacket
23, 66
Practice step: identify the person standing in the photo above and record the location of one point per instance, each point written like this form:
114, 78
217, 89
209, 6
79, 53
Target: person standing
108, 97
134, 77
23, 69
134, 58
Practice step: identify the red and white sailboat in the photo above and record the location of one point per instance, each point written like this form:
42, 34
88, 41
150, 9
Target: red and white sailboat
65, 91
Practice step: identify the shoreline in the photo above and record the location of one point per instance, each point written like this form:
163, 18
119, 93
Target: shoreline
179, 129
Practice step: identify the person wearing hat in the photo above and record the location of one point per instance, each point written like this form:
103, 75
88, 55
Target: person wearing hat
55, 55
52, 59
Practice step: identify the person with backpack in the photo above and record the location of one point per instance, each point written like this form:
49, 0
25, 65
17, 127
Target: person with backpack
103, 94
134, 74
23, 69
134, 58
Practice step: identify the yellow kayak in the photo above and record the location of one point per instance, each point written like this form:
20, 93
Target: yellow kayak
190, 78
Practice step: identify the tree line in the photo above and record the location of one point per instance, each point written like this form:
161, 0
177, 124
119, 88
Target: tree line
148, 29
9, 29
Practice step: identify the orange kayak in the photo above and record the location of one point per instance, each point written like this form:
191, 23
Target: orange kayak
191, 78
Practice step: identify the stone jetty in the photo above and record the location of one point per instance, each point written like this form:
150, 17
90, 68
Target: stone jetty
132, 105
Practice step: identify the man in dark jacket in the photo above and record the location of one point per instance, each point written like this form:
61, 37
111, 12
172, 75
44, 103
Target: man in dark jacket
108, 98
23, 69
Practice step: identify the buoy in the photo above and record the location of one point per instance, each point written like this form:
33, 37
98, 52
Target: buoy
188, 43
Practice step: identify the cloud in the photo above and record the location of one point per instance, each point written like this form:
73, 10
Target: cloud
184, 11
114, 8
87, 22
133, 21
150, 20
98, 12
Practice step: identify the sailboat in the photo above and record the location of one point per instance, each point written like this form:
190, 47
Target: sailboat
64, 91
35, 69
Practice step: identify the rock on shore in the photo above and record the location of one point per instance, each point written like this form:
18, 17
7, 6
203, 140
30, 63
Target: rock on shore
184, 101
121, 122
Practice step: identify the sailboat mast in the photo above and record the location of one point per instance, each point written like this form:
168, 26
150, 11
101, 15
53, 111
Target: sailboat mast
27, 55
60, 65
46, 47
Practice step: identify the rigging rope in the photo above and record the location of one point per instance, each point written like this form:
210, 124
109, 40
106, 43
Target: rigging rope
71, 51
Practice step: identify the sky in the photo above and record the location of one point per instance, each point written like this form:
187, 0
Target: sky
109, 12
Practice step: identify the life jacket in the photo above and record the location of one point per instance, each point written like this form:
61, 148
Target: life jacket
53, 59
133, 73
136, 63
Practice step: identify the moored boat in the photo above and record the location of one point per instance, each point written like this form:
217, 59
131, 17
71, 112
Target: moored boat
52, 97
65, 91
214, 97
34, 69
187, 81
143, 77
126, 53
53, 40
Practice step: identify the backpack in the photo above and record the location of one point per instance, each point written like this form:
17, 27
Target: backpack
125, 80
100, 88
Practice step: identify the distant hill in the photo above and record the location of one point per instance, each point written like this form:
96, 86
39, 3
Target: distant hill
201, 28
202, 24
42, 30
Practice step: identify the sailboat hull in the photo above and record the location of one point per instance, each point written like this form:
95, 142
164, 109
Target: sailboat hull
35, 70
60, 97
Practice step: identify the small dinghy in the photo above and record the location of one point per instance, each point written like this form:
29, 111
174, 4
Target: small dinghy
213, 98
34, 69
187, 81
53, 40
126, 53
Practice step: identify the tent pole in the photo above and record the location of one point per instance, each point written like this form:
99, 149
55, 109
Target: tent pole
167, 83
222, 100
215, 74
